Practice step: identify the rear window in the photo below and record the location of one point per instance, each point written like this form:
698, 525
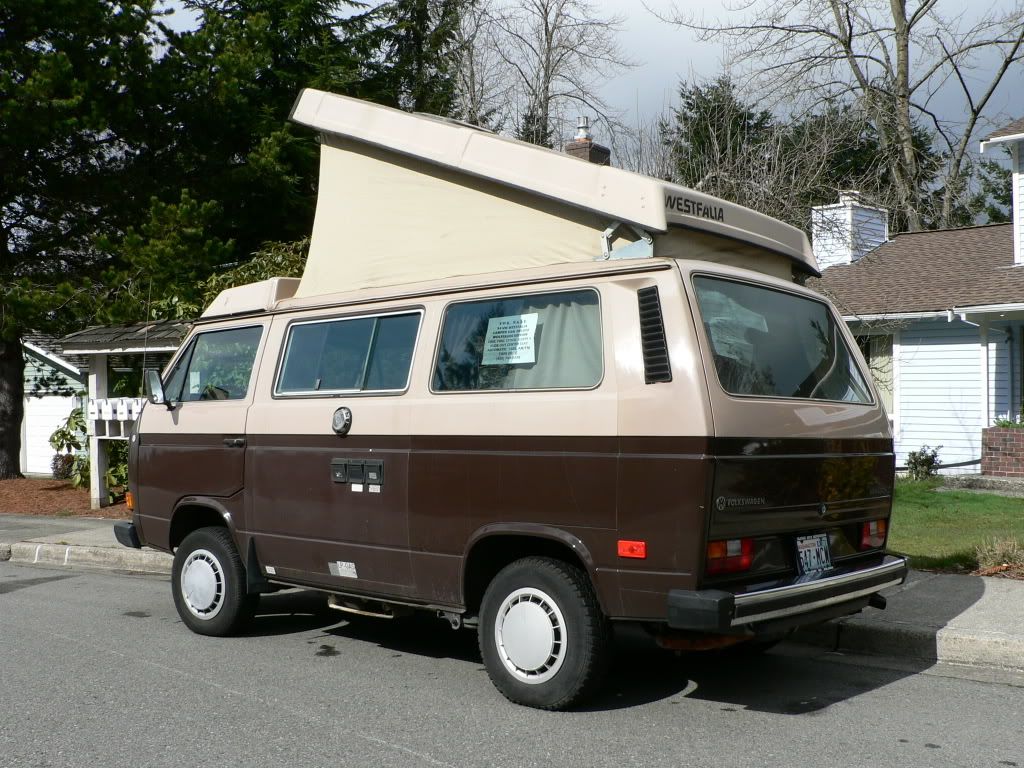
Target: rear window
771, 343
540, 341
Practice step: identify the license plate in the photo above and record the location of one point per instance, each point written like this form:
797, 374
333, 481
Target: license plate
813, 553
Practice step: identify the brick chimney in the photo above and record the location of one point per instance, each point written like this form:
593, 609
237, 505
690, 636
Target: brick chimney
845, 232
583, 146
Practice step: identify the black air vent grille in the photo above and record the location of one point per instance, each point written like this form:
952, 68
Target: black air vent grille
652, 337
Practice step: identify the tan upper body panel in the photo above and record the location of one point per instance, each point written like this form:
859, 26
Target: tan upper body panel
692, 404
621, 403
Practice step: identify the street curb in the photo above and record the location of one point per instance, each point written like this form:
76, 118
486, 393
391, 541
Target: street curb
949, 645
109, 558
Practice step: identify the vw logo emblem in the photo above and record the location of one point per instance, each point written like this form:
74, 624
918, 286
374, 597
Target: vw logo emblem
823, 509
720, 503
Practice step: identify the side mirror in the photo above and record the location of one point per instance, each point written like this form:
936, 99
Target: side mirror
155, 390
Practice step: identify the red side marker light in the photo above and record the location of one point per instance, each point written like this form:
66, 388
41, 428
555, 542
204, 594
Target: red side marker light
634, 549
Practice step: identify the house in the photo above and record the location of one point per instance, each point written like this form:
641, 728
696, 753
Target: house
52, 382
939, 316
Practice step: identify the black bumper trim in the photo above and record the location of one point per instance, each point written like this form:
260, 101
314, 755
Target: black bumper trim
712, 610
127, 535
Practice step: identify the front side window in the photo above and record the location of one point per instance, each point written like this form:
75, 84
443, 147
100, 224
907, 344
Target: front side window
349, 355
772, 343
216, 366
542, 341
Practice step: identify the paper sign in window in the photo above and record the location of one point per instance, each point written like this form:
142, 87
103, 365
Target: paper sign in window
509, 340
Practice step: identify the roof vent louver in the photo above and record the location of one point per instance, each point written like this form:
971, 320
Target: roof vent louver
652, 337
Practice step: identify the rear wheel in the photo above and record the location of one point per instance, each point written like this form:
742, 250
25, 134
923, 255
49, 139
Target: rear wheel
543, 638
208, 583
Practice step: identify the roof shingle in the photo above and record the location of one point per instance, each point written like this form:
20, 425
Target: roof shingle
929, 272
1013, 129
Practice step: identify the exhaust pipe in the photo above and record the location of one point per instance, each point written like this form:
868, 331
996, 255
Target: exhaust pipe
877, 601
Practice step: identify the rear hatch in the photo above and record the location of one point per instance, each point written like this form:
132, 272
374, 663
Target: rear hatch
802, 454
800, 508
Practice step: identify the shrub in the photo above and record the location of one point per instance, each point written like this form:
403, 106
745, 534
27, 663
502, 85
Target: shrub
65, 440
61, 465
996, 552
923, 463
1008, 423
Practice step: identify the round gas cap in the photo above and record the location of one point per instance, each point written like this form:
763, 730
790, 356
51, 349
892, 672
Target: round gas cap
341, 422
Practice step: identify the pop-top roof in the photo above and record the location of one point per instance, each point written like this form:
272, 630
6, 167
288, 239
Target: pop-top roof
620, 195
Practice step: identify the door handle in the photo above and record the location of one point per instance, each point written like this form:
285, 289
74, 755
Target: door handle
234, 442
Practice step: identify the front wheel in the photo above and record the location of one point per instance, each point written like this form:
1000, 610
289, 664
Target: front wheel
543, 638
208, 583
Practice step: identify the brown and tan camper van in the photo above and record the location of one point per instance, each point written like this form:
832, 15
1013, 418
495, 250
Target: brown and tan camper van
534, 396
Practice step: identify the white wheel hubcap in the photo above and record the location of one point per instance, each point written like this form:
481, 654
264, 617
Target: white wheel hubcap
202, 584
529, 632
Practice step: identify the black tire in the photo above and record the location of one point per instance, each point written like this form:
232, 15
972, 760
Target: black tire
566, 661
208, 583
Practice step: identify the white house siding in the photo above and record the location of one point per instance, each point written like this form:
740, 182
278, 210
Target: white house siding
49, 398
999, 355
870, 230
940, 392
843, 233
42, 416
1018, 203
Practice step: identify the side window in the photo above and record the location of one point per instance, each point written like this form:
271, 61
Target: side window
358, 354
543, 341
216, 366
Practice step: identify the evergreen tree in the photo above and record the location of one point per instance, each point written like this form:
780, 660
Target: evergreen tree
73, 81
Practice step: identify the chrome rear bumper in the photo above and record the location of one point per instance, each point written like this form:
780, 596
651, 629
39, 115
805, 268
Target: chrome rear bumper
711, 610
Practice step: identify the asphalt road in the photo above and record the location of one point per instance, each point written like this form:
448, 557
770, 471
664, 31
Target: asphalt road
97, 670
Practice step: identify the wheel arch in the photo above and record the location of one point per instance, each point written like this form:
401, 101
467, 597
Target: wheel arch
193, 513
495, 546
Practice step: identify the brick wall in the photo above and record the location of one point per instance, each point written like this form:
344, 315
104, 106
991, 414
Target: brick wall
1002, 452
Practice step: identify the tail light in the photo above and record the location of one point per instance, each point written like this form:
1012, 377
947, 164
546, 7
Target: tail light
729, 556
872, 534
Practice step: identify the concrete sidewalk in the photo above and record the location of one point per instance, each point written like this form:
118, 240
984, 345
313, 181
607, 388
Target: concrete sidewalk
933, 617
74, 542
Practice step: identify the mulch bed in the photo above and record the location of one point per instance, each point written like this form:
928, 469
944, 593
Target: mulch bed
56, 498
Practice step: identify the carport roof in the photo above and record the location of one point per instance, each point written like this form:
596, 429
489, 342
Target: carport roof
157, 336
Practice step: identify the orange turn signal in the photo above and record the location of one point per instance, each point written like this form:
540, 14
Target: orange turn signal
634, 549
129, 501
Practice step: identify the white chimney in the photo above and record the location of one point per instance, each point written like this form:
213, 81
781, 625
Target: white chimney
844, 232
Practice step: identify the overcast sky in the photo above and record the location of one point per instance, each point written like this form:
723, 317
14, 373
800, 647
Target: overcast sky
668, 53
665, 54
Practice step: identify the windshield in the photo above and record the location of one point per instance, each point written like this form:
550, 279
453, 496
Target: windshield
770, 343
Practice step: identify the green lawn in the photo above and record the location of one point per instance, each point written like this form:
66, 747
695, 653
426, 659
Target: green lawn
941, 529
